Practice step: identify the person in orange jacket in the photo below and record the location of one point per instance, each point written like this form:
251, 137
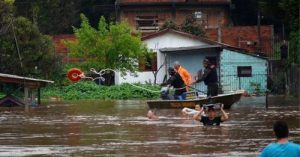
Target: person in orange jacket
185, 75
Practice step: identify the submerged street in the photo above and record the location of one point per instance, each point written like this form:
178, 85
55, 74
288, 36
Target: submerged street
121, 128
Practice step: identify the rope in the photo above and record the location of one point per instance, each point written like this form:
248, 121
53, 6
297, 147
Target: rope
102, 72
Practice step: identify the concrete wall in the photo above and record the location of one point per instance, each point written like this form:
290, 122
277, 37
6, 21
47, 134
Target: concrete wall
141, 77
230, 60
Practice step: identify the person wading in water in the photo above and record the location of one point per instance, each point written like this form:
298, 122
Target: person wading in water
211, 118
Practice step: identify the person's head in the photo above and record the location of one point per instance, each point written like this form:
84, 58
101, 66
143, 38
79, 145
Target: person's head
211, 113
151, 115
197, 107
281, 129
176, 65
206, 63
171, 71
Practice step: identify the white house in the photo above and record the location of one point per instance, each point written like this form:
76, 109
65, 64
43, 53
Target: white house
167, 38
236, 69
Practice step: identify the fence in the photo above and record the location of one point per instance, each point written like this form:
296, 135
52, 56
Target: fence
256, 84
293, 80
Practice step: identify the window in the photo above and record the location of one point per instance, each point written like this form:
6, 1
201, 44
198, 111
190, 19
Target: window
244, 71
147, 23
149, 63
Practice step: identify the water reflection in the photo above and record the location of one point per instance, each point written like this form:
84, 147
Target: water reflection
121, 128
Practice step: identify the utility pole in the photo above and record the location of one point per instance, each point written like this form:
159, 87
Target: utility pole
258, 32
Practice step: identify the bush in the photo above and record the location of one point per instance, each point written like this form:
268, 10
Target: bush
90, 90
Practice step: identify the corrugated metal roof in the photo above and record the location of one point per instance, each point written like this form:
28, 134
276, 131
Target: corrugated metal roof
213, 44
24, 78
190, 48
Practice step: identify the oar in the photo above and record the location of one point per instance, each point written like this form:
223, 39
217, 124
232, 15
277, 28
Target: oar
198, 90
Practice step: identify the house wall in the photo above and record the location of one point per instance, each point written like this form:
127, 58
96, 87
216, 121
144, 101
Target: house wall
168, 40
192, 62
230, 60
142, 77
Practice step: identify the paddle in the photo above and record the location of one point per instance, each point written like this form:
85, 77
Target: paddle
197, 90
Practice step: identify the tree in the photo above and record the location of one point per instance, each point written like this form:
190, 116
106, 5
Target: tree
288, 13
169, 24
24, 50
285, 11
110, 46
58, 16
51, 16
189, 25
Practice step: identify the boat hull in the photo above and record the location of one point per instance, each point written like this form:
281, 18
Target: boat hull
226, 99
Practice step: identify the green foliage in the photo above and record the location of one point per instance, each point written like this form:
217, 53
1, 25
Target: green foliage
51, 16
90, 90
256, 87
278, 83
6, 13
9, 1
170, 24
110, 46
294, 47
36, 58
285, 10
189, 25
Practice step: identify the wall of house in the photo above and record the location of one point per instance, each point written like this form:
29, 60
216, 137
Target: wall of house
191, 61
230, 60
139, 77
168, 40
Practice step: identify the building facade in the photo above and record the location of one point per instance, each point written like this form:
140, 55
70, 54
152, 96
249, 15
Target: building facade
236, 68
148, 16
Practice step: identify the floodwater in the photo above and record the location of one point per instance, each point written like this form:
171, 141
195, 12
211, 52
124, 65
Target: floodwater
121, 128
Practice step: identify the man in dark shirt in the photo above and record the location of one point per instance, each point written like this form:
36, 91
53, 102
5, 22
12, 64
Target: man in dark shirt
210, 78
176, 81
284, 50
211, 118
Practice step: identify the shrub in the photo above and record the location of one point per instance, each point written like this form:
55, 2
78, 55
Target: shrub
90, 90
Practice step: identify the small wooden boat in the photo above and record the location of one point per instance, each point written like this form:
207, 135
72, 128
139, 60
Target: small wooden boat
226, 99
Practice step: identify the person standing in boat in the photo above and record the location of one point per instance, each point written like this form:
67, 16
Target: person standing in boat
211, 118
210, 78
185, 75
176, 81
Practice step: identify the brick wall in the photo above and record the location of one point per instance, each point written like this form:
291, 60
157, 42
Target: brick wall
239, 36
60, 47
245, 37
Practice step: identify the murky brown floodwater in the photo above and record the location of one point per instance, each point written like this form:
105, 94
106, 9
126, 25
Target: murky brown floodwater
120, 128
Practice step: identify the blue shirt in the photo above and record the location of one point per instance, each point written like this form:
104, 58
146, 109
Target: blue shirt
289, 149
